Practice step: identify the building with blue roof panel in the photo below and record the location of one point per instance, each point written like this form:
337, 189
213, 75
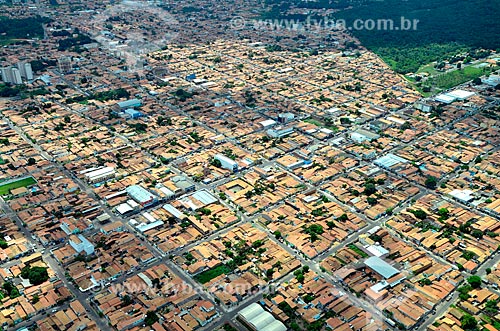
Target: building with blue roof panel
381, 267
129, 103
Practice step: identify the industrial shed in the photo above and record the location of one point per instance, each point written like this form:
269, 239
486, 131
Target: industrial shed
260, 320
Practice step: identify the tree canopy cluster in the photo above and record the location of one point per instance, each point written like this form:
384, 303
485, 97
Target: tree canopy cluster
445, 27
22, 28
36, 275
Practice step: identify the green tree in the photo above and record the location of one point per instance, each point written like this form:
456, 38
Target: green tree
151, 318
474, 281
478, 234
431, 182
477, 81
309, 298
370, 189
468, 255
343, 217
36, 275
216, 163
11, 290
468, 322
126, 300
491, 307
420, 214
444, 213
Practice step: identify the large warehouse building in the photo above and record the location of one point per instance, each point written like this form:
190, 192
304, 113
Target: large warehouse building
381, 267
255, 317
141, 195
227, 163
99, 175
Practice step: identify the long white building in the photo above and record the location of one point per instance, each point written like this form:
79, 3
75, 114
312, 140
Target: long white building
99, 175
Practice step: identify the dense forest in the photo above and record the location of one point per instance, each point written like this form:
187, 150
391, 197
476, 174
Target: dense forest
445, 27
21, 28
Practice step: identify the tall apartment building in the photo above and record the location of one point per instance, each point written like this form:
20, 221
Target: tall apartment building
6, 74
64, 64
26, 70
15, 75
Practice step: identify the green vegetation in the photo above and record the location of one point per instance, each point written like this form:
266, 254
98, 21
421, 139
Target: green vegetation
151, 318
216, 163
420, 214
474, 281
183, 95
5, 189
313, 122
370, 189
431, 182
10, 91
138, 127
313, 231
21, 28
111, 95
456, 77
74, 43
162, 121
228, 327
357, 250
230, 154
491, 307
468, 322
464, 292
210, 274
343, 218
299, 274
36, 275
445, 28
101, 96
425, 281
327, 122
10, 290
195, 136
468, 255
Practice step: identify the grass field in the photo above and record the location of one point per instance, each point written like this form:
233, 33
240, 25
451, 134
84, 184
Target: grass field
321, 125
5, 189
210, 274
313, 121
357, 250
457, 77
429, 68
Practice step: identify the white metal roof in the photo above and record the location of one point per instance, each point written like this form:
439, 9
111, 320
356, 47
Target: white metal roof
381, 267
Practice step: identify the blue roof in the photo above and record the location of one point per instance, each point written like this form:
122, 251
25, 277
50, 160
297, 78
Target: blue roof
381, 267
130, 103
140, 194
132, 112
